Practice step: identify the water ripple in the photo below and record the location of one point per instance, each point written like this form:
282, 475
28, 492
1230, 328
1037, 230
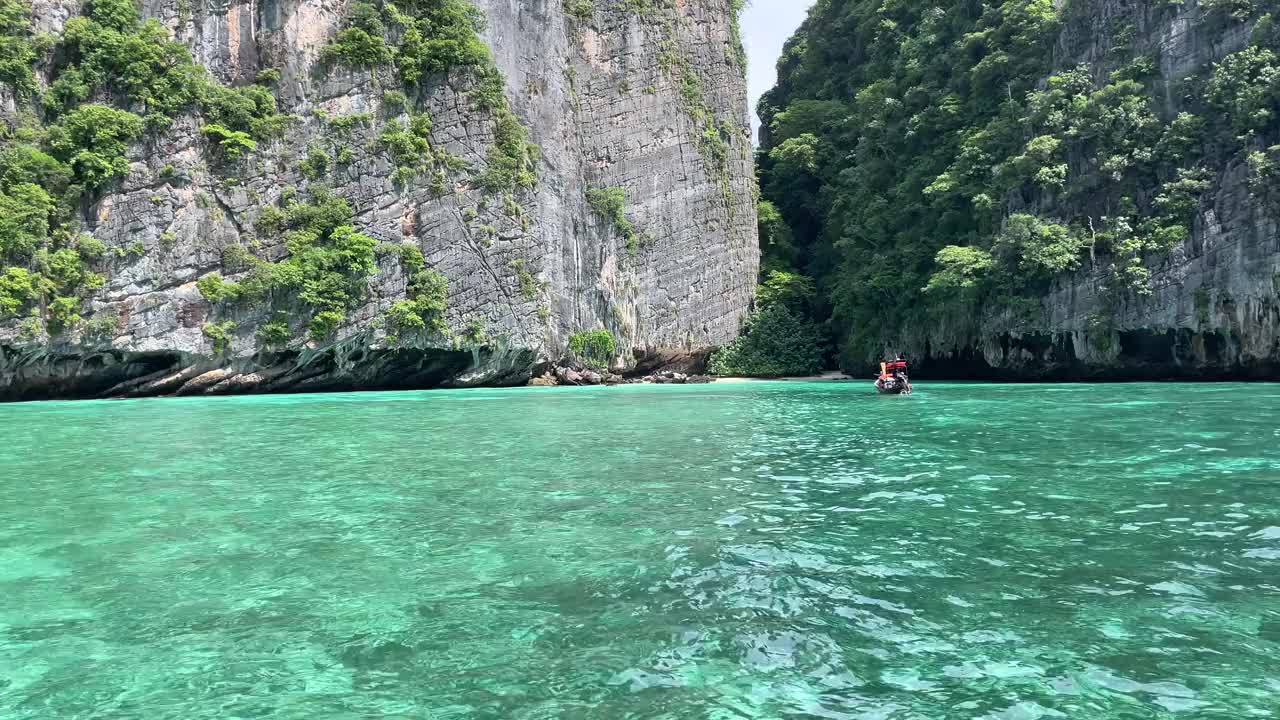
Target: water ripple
756, 551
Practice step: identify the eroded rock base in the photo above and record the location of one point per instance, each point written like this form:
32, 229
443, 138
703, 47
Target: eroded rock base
113, 374
1120, 356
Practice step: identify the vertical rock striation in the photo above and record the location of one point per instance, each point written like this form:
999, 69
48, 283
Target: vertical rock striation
646, 100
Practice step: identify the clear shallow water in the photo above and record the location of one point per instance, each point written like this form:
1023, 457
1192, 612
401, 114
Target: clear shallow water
732, 551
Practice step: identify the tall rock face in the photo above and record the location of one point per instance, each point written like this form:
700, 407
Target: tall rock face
1210, 307
1036, 189
404, 221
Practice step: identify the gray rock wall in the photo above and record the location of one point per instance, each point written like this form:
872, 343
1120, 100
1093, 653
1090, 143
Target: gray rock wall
595, 97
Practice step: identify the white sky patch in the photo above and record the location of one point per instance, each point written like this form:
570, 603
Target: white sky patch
766, 25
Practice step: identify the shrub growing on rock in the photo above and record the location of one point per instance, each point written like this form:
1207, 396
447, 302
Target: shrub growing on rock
594, 347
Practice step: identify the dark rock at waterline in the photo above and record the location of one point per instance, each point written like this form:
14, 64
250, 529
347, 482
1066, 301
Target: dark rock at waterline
1133, 355
585, 376
675, 378
37, 374
654, 362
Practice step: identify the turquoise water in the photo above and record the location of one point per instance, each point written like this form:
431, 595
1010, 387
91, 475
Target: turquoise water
733, 551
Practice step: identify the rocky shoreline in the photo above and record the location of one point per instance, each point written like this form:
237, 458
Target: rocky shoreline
579, 376
26, 375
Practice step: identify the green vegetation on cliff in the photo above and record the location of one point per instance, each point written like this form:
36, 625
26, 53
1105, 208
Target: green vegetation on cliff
611, 204
327, 267
595, 348
918, 159
111, 80
326, 271
419, 41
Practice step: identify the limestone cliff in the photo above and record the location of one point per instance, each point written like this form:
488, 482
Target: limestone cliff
1211, 306
635, 215
1033, 189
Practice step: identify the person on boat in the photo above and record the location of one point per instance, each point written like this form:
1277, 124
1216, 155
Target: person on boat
895, 370
898, 365
900, 370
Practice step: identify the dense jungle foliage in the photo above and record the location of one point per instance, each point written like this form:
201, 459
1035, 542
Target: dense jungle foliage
922, 159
